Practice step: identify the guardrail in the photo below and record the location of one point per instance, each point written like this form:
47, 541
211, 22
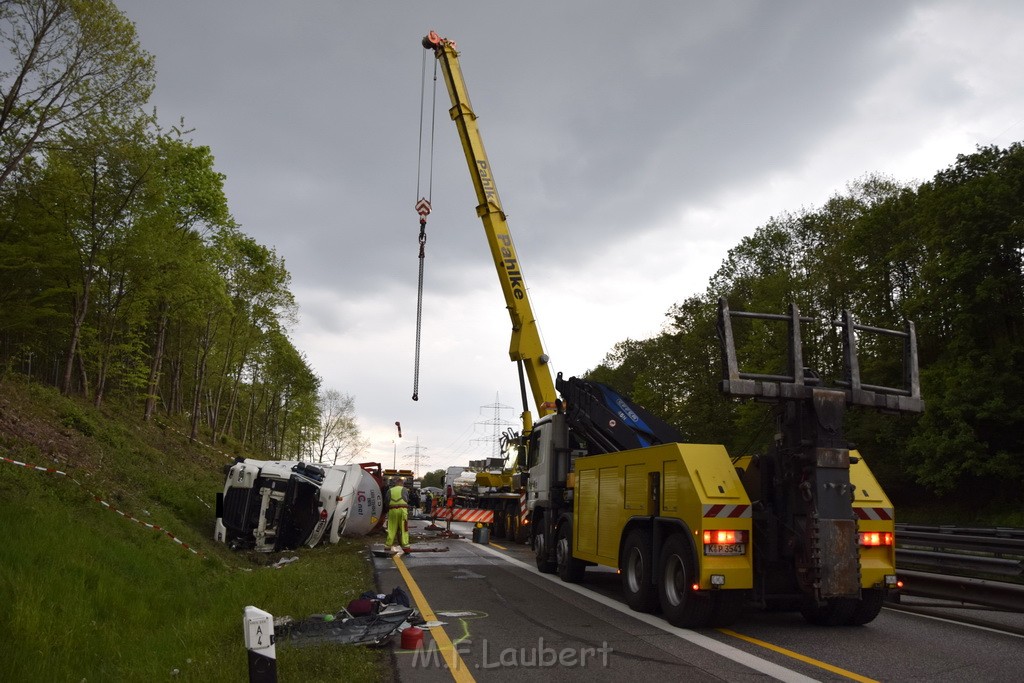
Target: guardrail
980, 566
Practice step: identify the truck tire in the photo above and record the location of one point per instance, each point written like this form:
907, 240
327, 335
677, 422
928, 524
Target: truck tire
540, 549
637, 572
867, 607
570, 569
681, 606
836, 611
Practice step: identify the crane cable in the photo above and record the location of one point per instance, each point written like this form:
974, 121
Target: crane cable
423, 209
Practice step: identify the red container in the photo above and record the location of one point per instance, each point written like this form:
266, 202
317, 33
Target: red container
412, 638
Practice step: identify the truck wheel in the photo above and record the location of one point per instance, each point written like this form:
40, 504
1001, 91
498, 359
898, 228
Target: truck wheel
835, 612
682, 606
867, 607
540, 550
570, 569
637, 568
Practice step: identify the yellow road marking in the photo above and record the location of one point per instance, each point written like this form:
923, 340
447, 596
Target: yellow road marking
499, 546
797, 655
457, 667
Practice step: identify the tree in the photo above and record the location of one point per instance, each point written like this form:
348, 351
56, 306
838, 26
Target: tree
87, 195
186, 199
434, 478
338, 435
72, 59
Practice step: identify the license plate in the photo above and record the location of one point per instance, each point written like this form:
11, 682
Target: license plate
725, 549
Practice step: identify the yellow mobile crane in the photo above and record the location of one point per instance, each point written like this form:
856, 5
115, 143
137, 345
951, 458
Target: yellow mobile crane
694, 532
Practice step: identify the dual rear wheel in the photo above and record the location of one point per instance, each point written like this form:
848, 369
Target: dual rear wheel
668, 585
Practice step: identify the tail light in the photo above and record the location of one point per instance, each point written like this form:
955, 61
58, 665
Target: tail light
874, 539
725, 536
725, 541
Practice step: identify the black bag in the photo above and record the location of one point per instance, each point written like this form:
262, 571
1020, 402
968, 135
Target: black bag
398, 597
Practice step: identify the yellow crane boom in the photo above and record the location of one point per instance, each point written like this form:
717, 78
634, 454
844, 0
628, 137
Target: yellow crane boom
525, 347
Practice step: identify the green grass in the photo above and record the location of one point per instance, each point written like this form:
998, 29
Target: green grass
90, 595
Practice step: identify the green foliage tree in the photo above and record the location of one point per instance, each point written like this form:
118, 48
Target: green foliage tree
122, 272
70, 60
434, 478
970, 304
86, 196
948, 254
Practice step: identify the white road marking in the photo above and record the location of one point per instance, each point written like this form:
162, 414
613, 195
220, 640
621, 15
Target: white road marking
758, 664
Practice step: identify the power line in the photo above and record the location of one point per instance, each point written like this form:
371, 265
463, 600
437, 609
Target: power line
497, 424
416, 457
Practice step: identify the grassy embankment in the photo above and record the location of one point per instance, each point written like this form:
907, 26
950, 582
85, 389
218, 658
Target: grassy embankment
89, 595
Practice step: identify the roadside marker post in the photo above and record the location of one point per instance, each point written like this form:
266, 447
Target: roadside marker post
259, 641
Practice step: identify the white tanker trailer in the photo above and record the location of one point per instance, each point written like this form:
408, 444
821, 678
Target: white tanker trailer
273, 505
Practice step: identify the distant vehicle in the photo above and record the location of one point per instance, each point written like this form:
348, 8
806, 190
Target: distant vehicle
273, 505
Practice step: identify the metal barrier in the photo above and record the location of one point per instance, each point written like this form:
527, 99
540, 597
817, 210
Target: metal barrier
959, 564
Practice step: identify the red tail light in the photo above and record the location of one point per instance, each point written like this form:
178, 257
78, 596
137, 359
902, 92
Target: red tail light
873, 539
725, 537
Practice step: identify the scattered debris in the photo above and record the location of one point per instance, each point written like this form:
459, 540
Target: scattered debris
344, 629
283, 561
380, 550
427, 625
377, 618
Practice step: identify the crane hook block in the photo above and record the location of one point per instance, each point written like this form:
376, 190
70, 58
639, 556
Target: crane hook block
432, 41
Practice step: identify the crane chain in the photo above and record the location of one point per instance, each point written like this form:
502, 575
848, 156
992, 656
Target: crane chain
419, 310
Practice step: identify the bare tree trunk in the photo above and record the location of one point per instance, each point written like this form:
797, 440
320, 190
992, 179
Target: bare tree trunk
177, 398
202, 352
80, 308
83, 377
218, 393
158, 358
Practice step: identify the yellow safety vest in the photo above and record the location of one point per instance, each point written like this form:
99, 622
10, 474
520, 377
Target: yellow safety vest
396, 497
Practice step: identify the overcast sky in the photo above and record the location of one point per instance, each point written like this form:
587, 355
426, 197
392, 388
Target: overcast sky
633, 144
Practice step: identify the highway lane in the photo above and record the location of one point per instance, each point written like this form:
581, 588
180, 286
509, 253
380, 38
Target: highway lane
505, 621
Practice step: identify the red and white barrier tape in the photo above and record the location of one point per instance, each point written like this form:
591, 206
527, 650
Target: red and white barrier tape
155, 527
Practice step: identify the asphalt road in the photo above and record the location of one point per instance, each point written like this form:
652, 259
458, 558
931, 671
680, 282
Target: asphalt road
500, 619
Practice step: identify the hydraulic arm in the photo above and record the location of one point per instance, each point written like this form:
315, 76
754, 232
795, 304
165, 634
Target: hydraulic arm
525, 347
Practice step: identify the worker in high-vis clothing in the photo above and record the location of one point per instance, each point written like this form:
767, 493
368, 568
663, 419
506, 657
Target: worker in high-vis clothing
398, 515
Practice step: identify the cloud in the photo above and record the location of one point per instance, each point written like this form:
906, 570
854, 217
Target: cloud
632, 148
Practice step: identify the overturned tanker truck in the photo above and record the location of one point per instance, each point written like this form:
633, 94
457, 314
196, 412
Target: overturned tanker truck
274, 505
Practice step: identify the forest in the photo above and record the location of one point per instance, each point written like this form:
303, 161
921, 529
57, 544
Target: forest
123, 276
946, 254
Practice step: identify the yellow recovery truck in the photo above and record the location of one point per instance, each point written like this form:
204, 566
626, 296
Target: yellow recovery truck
693, 531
